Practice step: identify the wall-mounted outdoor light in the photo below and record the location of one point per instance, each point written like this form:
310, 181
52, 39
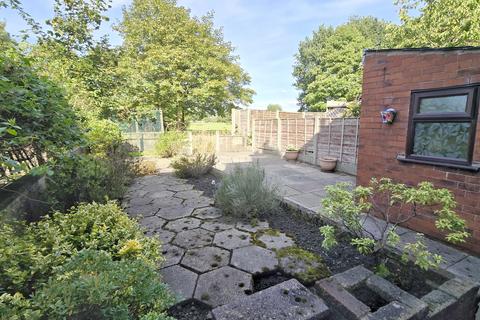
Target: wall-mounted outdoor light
388, 115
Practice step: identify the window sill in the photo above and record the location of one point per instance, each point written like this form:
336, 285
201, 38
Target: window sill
474, 167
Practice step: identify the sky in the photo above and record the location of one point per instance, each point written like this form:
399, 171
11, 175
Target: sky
265, 33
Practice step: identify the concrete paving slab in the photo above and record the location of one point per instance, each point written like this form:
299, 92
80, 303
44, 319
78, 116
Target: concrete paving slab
163, 235
248, 227
180, 280
173, 213
232, 239
218, 225
308, 200
208, 213
285, 301
152, 223
198, 202
222, 286
167, 202
172, 255
142, 211
206, 259
194, 238
278, 241
180, 187
189, 194
160, 194
468, 267
183, 224
254, 259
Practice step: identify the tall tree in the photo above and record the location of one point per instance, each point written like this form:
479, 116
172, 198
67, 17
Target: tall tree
274, 107
328, 65
436, 23
178, 63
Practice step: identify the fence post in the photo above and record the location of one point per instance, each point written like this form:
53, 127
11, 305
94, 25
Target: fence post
190, 142
341, 140
304, 137
279, 134
162, 128
233, 121
356, 141
217, 142
316, 133
329, 134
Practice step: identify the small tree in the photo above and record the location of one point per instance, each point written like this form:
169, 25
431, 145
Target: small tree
274, 107
397, 204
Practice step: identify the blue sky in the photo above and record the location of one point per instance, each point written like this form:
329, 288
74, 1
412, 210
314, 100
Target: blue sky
265, 33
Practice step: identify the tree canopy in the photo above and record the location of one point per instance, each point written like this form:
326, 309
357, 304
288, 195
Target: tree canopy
328, 65
274, 107
436, 23
178, 63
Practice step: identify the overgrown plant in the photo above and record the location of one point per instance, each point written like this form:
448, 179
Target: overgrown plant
246, 193
170, 144
194, 166
396, 204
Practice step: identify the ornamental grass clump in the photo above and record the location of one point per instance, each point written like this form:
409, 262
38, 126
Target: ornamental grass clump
194, 166
396, 204
245, 193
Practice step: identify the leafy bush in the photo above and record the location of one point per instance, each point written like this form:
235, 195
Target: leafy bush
142, 167
85, 178
52, 241
103, 137
93, 285
351, 206
194, 166
245, 193
170, 143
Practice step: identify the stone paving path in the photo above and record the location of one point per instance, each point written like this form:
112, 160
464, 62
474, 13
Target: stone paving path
209, 257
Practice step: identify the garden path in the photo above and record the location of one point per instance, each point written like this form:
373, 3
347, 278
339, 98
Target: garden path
209, 257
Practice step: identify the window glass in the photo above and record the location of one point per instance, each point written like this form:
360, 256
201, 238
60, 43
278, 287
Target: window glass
442, 139
443, 104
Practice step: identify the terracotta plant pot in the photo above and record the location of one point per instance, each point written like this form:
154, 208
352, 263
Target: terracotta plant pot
291, 155
328, 164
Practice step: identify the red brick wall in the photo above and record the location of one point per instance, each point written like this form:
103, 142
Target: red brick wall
389, 78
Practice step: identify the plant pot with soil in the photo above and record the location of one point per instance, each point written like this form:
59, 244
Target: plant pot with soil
328, 164
291, 153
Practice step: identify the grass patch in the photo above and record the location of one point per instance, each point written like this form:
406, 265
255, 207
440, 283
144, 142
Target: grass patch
304, 265
210, 126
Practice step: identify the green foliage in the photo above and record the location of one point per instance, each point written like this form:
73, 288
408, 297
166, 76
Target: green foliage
170, 144
142, 167
193, 166
103, 137
418, 252
351, 206
178, 62
274, 107
210, 126
436, 23
310, 267
51, 242
93, 285
85, 178
245, 193
328, 65
329, 239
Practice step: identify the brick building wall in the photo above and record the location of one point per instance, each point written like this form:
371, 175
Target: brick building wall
389, 78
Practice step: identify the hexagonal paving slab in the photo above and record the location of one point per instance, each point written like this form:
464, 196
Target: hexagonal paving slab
152, 223
139, 202
231, 239
222, 286
155, 188
206, 259
189, 194
160, 194
194, 238
208, 213
218, 225
143, 210
279, 241
172, 255
247, 226
183, 224
167, 202
180, 280
180, 187
173, 213
163, 235
198, 202
254, 259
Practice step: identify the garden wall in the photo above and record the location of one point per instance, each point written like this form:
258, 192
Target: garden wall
389, 78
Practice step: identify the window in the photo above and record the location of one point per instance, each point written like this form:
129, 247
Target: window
442, 126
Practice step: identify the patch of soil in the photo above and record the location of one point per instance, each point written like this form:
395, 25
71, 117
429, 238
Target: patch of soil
204, 184
190, 310
264, 281
369, 298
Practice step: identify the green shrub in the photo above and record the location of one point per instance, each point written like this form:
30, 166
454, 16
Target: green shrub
245, 193
351, 206
142, 167
51, 242
103, 137
85, 178
93, 285
193, 166
170, 144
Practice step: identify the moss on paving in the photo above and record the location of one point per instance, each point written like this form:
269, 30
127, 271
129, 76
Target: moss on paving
314, 267
256, 236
